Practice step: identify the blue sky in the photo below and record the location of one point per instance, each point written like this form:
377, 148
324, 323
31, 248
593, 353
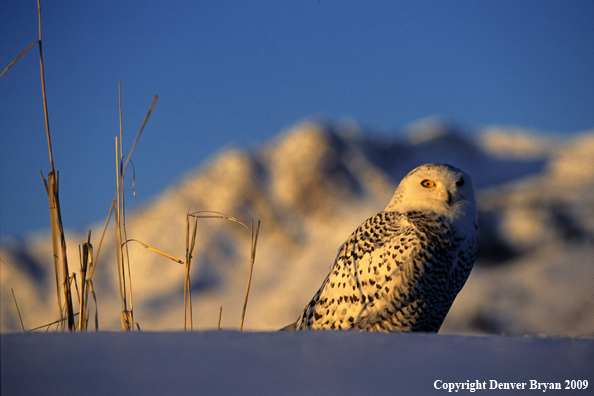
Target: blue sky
235, 73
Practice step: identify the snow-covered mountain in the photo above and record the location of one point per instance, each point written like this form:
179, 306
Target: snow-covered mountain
310, 188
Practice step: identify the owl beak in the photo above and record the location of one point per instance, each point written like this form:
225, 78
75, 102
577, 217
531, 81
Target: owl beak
444, 195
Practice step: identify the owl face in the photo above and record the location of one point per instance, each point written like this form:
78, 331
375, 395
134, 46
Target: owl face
440, 188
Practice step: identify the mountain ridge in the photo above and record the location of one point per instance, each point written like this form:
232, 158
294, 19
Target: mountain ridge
310, 187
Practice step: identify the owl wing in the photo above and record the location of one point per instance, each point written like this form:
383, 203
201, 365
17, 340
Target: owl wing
361, 269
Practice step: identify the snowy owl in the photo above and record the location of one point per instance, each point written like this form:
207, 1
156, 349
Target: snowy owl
402, 268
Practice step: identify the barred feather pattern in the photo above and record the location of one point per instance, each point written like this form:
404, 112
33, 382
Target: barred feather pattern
396, 272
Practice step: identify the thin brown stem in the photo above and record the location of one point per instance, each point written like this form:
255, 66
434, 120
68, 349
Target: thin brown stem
19, 57
49, 140
254, 243
19, 312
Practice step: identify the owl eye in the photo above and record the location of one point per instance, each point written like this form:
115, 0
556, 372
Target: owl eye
428, 183
460, 183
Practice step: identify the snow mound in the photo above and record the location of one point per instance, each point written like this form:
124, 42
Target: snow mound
288, 363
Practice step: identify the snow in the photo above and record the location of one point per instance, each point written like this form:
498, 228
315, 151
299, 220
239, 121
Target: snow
283, 363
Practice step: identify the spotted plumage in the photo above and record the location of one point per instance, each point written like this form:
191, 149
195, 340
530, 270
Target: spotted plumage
402, 268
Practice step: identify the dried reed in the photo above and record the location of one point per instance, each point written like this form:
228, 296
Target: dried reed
191, 234
18, 57
113, 203
127, 317
253, 244
123, 262
190, 246
62, 277
86, 273
88, 264
51, 187
17, 308
156, 251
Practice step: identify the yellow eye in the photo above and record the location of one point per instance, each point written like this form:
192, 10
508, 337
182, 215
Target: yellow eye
428, 183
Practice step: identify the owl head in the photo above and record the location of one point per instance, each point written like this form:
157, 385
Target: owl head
439, 188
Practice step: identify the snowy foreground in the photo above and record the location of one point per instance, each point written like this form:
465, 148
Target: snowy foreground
291, 363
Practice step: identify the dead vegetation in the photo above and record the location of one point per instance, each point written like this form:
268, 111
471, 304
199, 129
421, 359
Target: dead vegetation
66, 280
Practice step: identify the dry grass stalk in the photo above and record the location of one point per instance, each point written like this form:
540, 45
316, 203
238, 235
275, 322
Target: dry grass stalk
51, 187
59, 247
191, 235
127, 317
156, 251
18, 311
18, 57
209, 214
49, 141
190, 246
104, 229
63, 279
55, 242
220, 314
83, 252
253, 244
92, 290
47, 326
113, 203
86, 270
118, 204
117, 207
